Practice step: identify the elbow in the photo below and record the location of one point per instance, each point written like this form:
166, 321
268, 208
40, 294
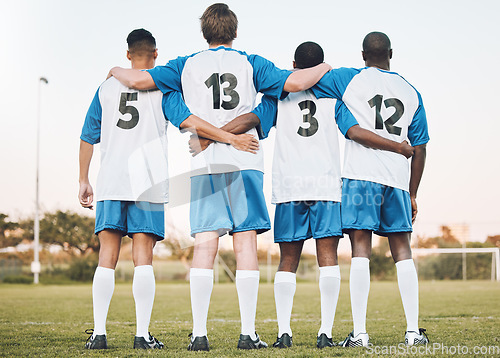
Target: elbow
354, 134
292, 85
420, 150
255, 121
295, 87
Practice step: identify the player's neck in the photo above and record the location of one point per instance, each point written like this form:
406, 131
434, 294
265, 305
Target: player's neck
142, 65
383, 66
228, 45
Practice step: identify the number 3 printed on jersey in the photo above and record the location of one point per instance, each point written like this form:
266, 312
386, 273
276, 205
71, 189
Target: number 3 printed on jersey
308, 118
127, 109
389, 122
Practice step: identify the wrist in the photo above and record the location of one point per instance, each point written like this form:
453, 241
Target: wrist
230, 138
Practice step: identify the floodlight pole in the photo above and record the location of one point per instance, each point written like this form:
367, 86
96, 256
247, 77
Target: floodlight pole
35, 265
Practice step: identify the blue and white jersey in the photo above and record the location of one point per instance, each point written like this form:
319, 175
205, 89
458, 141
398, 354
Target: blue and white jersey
218, 85
306, 164
386, 104
131, 128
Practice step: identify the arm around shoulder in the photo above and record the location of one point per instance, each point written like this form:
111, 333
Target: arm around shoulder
132, 78
306, 78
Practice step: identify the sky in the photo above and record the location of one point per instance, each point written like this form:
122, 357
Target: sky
448, 50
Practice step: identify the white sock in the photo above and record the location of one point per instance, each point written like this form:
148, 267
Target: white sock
359, 285
284, 290
143, 289
408, 288
329, 287
201, 283
247, 286
102, 291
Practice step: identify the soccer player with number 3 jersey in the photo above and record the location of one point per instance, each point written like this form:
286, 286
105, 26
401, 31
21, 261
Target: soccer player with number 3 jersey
218, 85
379, 187
306, 188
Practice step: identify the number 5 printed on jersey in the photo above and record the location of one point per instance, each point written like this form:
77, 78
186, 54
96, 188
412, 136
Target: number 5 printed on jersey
389, 122
124, 109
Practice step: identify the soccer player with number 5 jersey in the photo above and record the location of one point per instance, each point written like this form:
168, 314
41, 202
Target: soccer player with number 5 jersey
379, 187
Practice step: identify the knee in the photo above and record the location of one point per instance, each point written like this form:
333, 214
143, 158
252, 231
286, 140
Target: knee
288, 265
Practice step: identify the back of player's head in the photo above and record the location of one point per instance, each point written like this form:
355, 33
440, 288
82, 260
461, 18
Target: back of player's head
141, 42
376, 46
219, 24
308, 54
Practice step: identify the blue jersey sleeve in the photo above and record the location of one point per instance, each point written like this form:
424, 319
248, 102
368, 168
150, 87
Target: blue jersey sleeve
174, 108
168, 78
418, 133
267, 78
334, 83
344, 118
91, 131
267, 112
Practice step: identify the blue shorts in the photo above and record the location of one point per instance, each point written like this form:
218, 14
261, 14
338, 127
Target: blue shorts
301, 220
231, 202
131, 217
376, 207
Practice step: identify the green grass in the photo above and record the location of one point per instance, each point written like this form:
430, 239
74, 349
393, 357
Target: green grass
49, 321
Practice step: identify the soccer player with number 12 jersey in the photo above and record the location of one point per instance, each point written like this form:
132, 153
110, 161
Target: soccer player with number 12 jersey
379, 187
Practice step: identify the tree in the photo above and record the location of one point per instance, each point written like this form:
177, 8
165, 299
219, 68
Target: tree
8, 235
72, 231
493, 240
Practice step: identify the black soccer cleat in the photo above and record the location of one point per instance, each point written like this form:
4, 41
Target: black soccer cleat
246, 342
199, 343
323, 341
142, 343
285, 341
413, 338
96, 342
361, 340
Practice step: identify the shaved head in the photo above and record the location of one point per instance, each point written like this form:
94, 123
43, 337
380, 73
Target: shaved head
377, 47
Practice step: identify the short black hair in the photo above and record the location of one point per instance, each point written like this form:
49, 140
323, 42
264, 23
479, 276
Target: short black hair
376, 46
141, 40
308, 54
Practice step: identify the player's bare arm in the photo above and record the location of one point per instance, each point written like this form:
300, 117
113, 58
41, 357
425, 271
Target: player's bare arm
244, 142
239, 125
372, 140
417, 169
301, 80
133, 78
85, 194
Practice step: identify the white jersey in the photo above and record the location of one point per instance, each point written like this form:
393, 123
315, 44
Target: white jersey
386, 104
306, 164
131, 128
218, 85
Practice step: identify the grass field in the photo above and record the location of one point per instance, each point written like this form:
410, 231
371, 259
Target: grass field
49, 321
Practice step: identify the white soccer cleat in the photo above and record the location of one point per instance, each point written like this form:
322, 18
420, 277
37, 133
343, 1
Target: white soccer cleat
413, 338
361, 340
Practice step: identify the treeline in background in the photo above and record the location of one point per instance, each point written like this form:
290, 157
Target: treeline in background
70, 254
